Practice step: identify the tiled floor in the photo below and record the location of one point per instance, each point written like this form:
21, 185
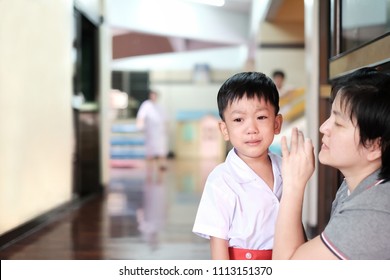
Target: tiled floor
135, 218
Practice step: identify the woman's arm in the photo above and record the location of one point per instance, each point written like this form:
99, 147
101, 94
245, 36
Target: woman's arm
219, 248
314, 249
297, 168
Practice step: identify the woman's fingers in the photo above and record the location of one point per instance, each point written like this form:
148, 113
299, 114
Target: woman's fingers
285, 152
298, 143
294, 140
309, 150
298, 162
301, 140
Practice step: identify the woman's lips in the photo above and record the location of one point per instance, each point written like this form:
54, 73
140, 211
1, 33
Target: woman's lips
324, 146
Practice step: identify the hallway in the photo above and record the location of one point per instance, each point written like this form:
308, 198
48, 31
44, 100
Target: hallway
131, 220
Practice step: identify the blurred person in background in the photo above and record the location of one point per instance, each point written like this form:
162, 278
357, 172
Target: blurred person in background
279, 78
152, 119
292, 99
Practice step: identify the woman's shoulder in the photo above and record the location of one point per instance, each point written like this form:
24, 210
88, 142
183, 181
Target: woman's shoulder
381, 194
374, 198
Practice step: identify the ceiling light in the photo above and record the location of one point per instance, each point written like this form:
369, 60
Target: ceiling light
218, 3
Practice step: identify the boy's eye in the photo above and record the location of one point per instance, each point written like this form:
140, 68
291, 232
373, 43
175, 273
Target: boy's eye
237, 120
261, 117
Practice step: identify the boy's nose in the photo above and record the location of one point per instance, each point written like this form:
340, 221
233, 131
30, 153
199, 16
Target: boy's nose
252, 129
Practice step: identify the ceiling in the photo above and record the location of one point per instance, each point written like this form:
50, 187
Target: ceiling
169, 29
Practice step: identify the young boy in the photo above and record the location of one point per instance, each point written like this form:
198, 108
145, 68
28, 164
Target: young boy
240, 201
356, 141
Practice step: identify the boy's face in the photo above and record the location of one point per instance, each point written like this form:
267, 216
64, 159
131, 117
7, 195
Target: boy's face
341, 146
250, 125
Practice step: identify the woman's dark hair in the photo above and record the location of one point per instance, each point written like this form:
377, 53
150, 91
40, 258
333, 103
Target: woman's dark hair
365, 94
249, 84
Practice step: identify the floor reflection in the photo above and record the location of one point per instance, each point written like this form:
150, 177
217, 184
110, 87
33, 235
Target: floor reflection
165, 208
139, 217
151, 217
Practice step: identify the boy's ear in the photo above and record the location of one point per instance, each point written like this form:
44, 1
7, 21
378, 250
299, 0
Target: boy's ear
374, 150
223, 128
278, 123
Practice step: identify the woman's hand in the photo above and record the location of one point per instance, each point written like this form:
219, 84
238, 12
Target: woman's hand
298, 162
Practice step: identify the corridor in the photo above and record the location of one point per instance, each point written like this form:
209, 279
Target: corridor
131, 220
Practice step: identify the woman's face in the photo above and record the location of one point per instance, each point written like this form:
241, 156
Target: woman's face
341, 146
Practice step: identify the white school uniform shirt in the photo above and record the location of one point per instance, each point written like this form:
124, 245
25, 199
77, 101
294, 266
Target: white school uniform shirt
238, 206
155, 128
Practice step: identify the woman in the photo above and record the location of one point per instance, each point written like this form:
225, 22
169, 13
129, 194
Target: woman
356, 141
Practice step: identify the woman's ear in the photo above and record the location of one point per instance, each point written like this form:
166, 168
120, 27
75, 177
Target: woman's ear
374, 148
224, 130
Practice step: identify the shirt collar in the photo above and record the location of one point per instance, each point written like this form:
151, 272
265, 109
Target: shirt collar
367, 183
243, 172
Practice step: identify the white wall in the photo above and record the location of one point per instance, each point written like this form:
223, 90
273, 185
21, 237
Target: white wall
105, 55
186, 97
287, 54
291, 61
36, 140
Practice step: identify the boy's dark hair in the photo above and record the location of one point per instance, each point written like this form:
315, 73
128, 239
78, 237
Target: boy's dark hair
365, 94
249, 84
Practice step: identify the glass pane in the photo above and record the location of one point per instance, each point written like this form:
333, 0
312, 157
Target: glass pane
363, 21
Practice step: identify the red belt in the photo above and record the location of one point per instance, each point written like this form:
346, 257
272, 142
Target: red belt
246, 254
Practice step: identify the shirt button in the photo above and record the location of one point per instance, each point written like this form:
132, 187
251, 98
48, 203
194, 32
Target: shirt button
248, 256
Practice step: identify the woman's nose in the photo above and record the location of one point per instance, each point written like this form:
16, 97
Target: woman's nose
324, 127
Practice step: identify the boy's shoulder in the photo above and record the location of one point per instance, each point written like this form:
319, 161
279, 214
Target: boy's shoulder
222, 181
218, 170
222, 173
